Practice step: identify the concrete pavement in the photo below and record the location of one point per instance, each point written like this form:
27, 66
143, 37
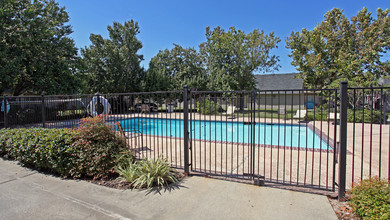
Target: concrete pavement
27, 194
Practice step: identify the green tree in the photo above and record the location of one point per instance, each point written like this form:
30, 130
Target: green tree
172, 69
232, 57
113, 65
36, 54
156, 79
341, 49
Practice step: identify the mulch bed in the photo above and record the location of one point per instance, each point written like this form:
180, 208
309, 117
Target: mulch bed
342, 209
113, 181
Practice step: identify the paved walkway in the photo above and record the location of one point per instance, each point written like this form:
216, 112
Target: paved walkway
27, 194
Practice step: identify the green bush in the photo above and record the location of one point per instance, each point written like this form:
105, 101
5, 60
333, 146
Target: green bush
128, 171
98, 148
92, 150
46, 149
317, 117
208, 107
147, 173
370, 199
376, 116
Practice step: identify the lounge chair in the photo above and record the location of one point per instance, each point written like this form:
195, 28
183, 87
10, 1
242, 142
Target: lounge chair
230, 112
300, 114
334, 117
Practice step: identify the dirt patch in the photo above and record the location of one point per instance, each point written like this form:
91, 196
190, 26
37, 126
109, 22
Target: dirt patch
114, 182
342, 209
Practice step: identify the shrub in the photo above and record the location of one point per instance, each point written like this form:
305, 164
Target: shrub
376, 116
92, 150
148, 173
128, 172
208, 107
317, 116
371, 199
98, 148
46, 149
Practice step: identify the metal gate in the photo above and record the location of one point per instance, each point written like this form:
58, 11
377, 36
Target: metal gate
265, 135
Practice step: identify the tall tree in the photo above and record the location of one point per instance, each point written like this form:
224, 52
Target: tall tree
113, 65
342, 49
232, 57
36, 53
176, 68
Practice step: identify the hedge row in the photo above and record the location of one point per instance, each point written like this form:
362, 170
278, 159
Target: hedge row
90, 151
357, 116
46, 149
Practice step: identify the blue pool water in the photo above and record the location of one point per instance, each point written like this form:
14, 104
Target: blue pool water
289, 135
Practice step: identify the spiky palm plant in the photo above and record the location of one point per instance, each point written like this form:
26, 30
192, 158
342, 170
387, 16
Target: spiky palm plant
148, 173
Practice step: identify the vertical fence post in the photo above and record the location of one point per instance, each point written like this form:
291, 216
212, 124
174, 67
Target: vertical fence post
5, 111
43, 111
97, 106
253, 123
186, 139
343, 139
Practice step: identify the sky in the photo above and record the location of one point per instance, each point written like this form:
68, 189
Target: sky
183, 22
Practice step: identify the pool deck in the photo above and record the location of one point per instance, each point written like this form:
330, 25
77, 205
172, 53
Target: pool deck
289, 165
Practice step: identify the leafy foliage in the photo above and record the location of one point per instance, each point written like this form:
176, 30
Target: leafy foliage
46, 149
317, 116
36, 53
98, 148
128, 171
232, 57
90, 151
226, 61
359, 117
156, 79
370, 199
176, 68
148, 173
341, 49
208, 107
113, 65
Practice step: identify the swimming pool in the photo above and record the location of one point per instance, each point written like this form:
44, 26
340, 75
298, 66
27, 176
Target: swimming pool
289, 135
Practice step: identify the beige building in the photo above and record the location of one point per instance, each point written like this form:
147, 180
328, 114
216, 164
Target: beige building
279, 90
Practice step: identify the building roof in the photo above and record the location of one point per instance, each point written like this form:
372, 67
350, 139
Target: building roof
278, 81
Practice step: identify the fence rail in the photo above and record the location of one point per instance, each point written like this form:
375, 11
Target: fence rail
317, 138
265, 138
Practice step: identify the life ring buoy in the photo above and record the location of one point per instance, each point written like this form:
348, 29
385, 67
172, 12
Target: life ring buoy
92, 108
7, 104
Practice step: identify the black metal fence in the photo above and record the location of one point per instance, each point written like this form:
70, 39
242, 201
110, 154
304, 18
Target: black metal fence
368, 148
280, 136
323, 139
